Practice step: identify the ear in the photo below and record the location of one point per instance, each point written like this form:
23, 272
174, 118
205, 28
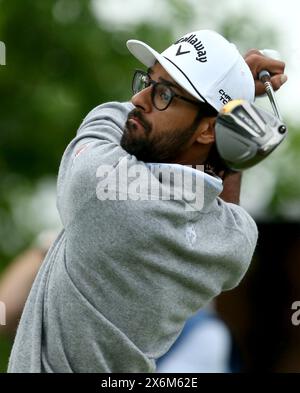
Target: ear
205, 133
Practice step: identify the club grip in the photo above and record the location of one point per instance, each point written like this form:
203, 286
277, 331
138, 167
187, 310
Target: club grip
264, 76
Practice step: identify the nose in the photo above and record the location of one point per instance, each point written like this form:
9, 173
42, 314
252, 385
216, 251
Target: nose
142, 99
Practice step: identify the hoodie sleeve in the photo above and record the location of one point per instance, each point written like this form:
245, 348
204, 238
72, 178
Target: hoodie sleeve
242, 234
96, 144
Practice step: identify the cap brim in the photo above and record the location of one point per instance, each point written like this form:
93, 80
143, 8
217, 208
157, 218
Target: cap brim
148, 56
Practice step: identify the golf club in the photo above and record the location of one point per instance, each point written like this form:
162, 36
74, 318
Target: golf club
245, 133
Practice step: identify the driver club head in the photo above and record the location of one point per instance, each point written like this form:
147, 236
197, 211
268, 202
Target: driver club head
246, 134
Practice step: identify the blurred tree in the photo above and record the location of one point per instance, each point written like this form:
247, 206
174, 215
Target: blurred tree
285, 201
60, 64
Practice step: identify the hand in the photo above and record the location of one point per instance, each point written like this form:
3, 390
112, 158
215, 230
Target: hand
258, 62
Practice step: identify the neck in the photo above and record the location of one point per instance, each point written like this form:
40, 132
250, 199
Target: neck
193, 157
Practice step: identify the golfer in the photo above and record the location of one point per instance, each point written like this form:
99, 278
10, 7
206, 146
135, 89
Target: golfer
151, 232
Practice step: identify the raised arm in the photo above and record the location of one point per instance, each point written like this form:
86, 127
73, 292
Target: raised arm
258, 62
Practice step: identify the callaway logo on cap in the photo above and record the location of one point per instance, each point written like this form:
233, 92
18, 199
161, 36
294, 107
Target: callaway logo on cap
205, 64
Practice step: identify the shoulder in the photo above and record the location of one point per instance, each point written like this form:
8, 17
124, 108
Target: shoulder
111, 110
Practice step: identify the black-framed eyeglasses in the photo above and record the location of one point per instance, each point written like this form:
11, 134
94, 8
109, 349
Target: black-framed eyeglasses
161, 94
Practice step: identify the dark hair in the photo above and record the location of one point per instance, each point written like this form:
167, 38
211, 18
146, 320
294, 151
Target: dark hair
206, 110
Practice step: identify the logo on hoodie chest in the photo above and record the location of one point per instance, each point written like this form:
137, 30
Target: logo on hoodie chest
190, 235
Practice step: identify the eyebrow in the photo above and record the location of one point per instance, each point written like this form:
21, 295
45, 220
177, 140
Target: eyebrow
166, 82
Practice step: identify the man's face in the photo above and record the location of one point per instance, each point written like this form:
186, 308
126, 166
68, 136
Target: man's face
160, 136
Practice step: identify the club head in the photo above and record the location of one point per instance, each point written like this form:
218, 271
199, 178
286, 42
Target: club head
246, 134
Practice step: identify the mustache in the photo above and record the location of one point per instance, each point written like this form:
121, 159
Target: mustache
135, 113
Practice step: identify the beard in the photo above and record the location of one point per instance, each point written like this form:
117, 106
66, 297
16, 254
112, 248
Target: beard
159, 147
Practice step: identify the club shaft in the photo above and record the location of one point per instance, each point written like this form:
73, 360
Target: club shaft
265, 77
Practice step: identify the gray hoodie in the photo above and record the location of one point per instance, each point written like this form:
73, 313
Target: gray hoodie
121, 279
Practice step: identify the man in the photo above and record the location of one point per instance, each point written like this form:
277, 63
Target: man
139, 253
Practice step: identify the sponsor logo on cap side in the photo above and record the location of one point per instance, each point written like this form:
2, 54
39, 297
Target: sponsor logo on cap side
224, 98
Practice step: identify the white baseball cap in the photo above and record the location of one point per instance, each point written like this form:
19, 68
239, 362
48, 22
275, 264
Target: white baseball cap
205, 64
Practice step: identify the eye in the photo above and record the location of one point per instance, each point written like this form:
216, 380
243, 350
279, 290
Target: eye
165, 93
